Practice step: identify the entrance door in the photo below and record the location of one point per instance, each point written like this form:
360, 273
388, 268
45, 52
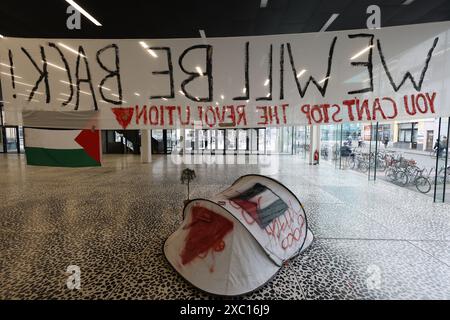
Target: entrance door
159, 138
430, 137
11, 140
242, 140
220, 141
230, 140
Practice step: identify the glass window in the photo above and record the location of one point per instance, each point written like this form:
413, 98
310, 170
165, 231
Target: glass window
21, 144
261, 141
1, 140
11, 139
220, 139
242, 139
230, 140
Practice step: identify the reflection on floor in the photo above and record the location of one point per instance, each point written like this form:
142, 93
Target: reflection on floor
373, 240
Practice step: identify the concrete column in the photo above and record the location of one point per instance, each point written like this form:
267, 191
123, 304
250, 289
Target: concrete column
146, 146
314, 142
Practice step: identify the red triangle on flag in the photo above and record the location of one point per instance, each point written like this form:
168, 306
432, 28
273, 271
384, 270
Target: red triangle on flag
123, 116
90, 141
206, 232
250, 207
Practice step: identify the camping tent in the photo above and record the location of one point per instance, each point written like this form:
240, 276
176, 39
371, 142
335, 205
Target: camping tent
237, 241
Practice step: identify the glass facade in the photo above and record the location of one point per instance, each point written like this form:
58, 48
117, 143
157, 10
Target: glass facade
285, 140
411, 155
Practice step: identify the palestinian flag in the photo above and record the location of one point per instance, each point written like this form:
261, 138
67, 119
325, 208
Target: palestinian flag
62, 148
261, 203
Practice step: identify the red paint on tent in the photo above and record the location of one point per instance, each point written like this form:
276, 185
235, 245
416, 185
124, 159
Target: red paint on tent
249, 207
90, 141
206, 232
123, 116
220, 246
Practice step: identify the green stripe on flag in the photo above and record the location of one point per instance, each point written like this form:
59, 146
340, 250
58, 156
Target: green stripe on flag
59, 157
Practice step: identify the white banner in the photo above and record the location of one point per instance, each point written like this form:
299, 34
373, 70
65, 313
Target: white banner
396, 73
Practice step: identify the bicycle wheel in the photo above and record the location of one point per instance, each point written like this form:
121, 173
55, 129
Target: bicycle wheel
352, 163
381, 166
401, 178
363, 166
390, 174
423, 184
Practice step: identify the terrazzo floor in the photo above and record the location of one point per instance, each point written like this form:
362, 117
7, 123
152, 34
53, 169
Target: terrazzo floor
373, 240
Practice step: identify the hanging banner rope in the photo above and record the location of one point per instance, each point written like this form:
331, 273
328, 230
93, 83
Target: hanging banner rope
396, 73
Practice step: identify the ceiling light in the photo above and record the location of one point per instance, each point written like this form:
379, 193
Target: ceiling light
222, 96
116, 95
84, 12
26, 95
137, 94
8, 74
25, 84
199, 70
65, 94
164, 99
323, 80
301, 73
152, 53
203, 36
268, 95
107, 89
67, 82
263, 3
361, 52
55, 66
266, 82
37, 92
5, 65
146, 47
329, 22
407, 2
71, 49
244, 90
181, 92
1, 36
85, 92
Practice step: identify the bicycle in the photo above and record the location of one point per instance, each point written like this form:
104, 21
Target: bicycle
421, 181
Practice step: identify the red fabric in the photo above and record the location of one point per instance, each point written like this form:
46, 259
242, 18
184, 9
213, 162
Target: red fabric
250, 207
206, 231
90, 141
123, 116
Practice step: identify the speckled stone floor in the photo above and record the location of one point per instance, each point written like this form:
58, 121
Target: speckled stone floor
374, 240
